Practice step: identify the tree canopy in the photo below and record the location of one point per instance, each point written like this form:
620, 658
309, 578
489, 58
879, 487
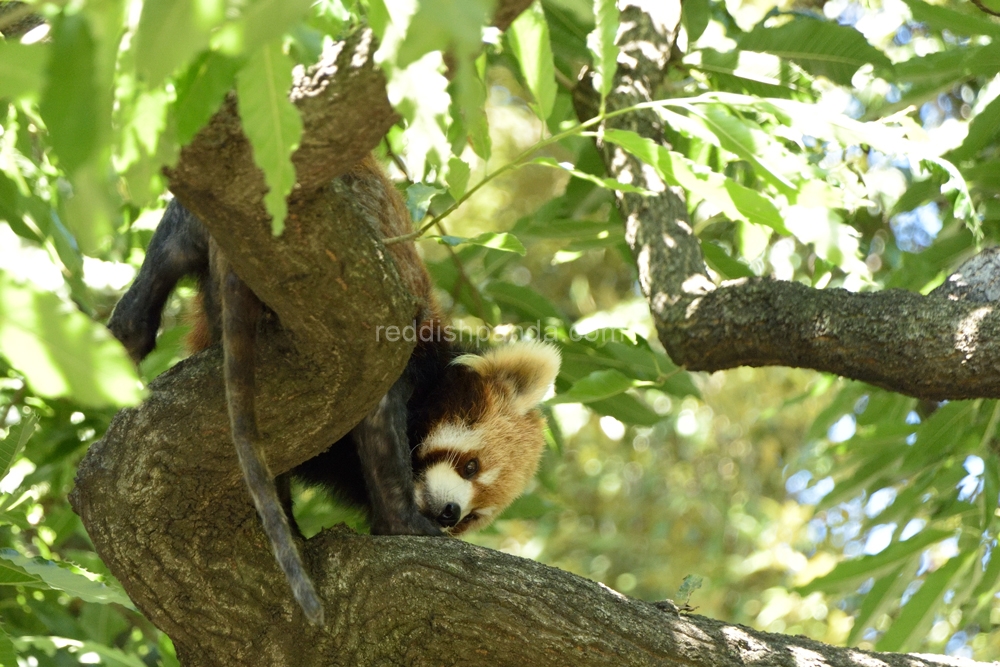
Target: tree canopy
755, 230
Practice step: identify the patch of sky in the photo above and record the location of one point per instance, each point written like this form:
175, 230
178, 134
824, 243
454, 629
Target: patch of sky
879, 538
915, 230
913, 527
879, 501
814, 494
971, 485
842, 429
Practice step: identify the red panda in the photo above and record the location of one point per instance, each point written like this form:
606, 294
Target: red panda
454, 441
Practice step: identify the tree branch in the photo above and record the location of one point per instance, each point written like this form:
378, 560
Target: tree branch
925, 346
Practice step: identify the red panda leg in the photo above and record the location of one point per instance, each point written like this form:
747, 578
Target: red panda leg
386, 465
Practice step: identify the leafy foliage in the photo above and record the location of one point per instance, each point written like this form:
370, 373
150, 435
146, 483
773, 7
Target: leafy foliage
855, 149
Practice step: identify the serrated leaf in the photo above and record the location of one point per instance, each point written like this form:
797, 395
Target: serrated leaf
736, 201
819, 47
272, 123
941, 17
601, 43
13, 575
14, 443
69, 579
201, 91
919, 609
68, 105
597, 386
470, 94
22, 67
529, 39
850, 571
171, 32
61, 351
497, 241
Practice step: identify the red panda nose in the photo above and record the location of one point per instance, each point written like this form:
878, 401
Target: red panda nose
449, 515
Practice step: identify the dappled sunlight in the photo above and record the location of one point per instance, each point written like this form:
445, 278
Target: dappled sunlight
967, 333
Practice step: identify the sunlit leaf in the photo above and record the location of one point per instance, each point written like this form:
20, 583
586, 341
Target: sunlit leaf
882, 593
8, 655
819, 47
262, 22
272, 123
601, 43
418, 200
498, 241
12, 446
695, 14
201, 90
918, 611
595, 387
529, 39
110, 657
941, 17
983, 130
68, 105
21, 69
61, 351
171, 32
70, 579
859, 569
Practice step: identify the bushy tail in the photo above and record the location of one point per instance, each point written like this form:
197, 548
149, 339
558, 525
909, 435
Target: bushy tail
240, 314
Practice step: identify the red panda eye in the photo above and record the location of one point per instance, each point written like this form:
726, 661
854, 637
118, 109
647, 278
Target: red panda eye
470, 469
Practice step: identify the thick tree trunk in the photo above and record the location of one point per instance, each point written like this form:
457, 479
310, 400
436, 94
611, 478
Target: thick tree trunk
161, 495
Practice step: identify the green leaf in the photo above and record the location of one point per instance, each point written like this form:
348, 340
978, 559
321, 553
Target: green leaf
983, 131
262, 22
457, 177
498, 241
627, 409
529, 39
470, 94
875, 600
68, 105
22, 68
13, 444
819, 47
201, 90
460, 33
418, 199
61, 351
529, 304
109, 657
601, 43
695, 15
70, 579
8, 656
919, 610
608, 183
595, 387
736, 201
761, 74
850, 571
13, 575
272, 123
941, 17
722, 263
171, 32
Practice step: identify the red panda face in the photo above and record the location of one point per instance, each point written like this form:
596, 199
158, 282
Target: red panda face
480, 453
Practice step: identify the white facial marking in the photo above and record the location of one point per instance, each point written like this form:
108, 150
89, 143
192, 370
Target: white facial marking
452, 437
488, 477
442, 485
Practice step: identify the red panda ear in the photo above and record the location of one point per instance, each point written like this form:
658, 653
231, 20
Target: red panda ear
525, 368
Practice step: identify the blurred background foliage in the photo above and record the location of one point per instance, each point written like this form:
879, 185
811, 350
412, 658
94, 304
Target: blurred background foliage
840, 144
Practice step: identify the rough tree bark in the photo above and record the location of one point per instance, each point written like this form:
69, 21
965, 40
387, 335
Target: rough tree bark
162, 499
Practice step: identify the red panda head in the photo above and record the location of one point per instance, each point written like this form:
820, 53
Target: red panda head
483, 447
